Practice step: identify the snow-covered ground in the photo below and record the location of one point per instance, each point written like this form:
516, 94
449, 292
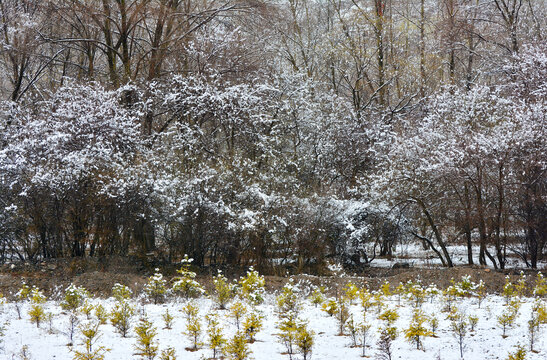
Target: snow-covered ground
486, 342
416, 256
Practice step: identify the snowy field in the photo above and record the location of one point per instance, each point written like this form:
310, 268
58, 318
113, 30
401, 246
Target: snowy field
51, 340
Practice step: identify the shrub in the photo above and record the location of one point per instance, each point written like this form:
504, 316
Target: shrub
304, 341
385, 342
167, 319
317, 296
146, 347
519, 354
168, 354
90, 333
237, 347
342, 314
351, 292
288, 300
417, 331
74, 297
37, 313
224, 291
251, 286
121, 292
121, 317
540, 288
214, 334
473, 321
330, 306
288, 328
237, 311
185, 283
458, 325
252, 325
101, 314
156, 287
193, 325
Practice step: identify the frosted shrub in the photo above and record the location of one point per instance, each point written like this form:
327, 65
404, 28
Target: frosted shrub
20, 297
252, 325
364, 335
101, 314
74, 297
37, 313
288, 327
87, 309
508, 290
237, 347
342, 314
156, 287
304, 341
480, 291
330, 306
416, 330
366, 299
353, 330
121, 315
351, 292
90, 333
168, 354
193, 325
317, 296
520, 287
167, 319
289, 299
224, 291
185, 283
540, 288
146, 346
237, 311
251, 286
214, 334
388, 334
473, 321
121, 292
458, 325
519, 354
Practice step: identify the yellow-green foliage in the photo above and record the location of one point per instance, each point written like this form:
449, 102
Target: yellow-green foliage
304, 341
353, 330
330, 306
417, 330
168, 354
23, 293
185, 283
101, 314
519, 354
167, 319
193, 325
146, 346
465, 287
520, 287
540, 311
366, 299
540, 288
450, 294
287, 332
121, 315
506, 319
121, 292
288, 300
508, 290
389, 316
214, 334
237, 347
156, 287
224, 291
251, 286
87, 309
37, 313
237, 311
351, 292
473, 321
317, 296
342, 314
384, 289
90, 332
378, 300
415, 293
74, 297
252, 325
434, 324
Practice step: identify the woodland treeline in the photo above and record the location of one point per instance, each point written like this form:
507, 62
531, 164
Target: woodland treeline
283, 132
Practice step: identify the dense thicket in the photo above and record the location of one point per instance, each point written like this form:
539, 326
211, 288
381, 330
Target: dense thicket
273, 132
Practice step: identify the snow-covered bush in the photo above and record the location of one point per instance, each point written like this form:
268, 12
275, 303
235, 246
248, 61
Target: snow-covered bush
185, 283
156, 287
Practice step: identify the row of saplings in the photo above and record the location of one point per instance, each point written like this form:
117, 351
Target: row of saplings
240, 299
